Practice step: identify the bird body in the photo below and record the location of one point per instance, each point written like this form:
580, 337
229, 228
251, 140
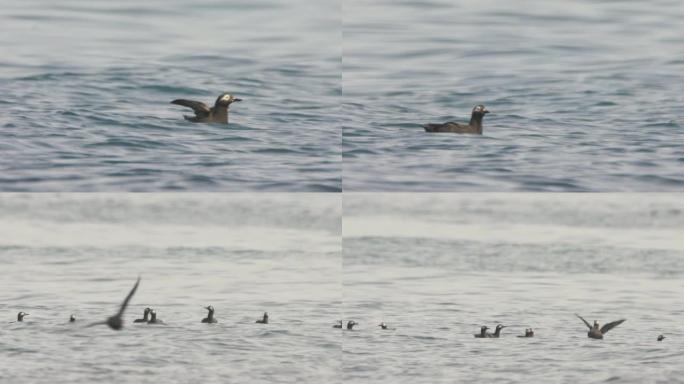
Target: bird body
483, 333
210, 316
474, 127
596, 332
205, 114
153, 318
145, 317
263, 320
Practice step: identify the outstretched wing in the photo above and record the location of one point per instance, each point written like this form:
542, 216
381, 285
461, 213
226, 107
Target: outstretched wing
585, 322
609, 326
201, 109
128, 298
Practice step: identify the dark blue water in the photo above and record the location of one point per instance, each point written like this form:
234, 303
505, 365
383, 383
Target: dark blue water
585, 95
86, 88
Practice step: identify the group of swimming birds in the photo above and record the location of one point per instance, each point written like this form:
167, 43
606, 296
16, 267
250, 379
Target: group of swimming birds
150, 317
219, 114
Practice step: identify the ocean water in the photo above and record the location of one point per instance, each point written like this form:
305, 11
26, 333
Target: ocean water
80, 254
86, 91
584, 95
437, 267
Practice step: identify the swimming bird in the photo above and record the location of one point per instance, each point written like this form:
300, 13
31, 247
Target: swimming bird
528, 333
351, 324
597, 333
116, 322
20, 316
263, 320
203, 114
72, 318
153, 318
474, 127
386, 327
210, 316
144, 319
497, 331
661, 338
338, 325
483, 333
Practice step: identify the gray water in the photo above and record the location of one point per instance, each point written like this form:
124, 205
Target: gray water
81, 254
437, 267
86, 91
585, 95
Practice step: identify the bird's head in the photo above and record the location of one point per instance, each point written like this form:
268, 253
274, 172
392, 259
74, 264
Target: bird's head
226, 99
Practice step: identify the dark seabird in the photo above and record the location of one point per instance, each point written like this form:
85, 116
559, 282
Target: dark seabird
483, 333
338, 325
263, 320
116, 322
661, 338
153, 318
72, 318
497, 331
145, 318
210, 316
203, 114
351, 324
597, 333
386, 327
474, 127
20, 316
528, 333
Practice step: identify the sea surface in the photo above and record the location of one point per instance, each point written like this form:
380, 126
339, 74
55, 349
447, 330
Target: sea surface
584, 95
437, 267
244, 255
86, 89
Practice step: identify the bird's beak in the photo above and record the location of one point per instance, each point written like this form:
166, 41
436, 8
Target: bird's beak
236, 99
485, 111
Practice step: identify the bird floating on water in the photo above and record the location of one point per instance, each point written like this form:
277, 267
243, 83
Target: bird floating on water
474, 127
145, 318
210, 316
529, 332
263, 320
351, 324
204, 114
153, 318
597, 333
20, 317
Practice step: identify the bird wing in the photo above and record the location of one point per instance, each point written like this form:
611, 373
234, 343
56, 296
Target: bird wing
609, 326
585, 322
128, 298
201, 109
